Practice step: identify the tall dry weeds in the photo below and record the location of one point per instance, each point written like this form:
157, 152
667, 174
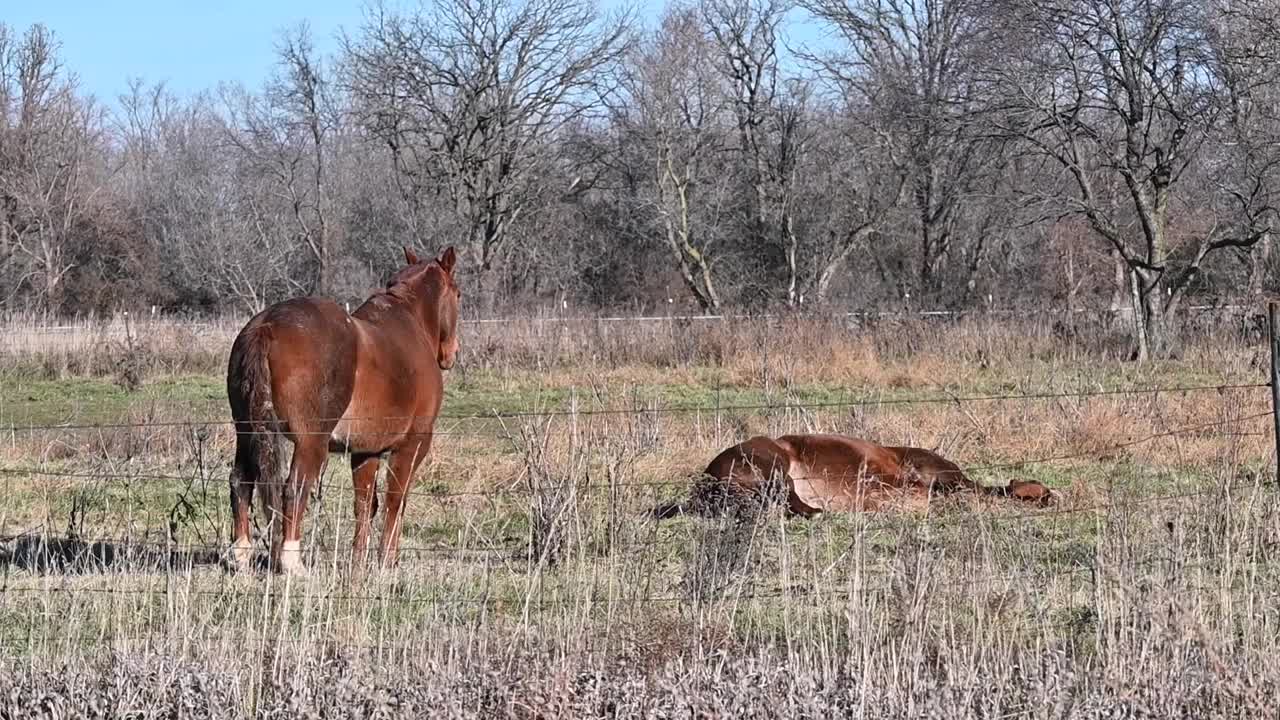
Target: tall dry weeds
534, 584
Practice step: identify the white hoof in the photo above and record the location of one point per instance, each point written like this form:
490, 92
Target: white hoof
240, 556
291, 558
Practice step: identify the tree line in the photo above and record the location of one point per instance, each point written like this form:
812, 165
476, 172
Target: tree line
941, 153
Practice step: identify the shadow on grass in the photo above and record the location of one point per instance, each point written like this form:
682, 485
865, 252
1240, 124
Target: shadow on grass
63, 555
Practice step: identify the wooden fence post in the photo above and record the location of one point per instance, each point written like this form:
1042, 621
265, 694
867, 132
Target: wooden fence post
1273, 330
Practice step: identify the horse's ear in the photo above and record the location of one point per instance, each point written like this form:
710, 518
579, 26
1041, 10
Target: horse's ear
410, 256
448, 258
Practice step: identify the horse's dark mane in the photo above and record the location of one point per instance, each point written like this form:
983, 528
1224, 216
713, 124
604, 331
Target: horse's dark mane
402, 284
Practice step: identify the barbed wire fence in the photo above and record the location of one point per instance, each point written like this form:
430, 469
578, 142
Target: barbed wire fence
549, 315
1232, 425
540, 325
188, 554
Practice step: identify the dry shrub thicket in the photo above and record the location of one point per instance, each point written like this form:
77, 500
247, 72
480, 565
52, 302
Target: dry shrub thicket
533, 584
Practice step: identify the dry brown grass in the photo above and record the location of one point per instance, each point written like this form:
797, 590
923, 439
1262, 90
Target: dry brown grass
534, 585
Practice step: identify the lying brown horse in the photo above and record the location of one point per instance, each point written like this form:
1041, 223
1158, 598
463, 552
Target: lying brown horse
368, 384
822, 473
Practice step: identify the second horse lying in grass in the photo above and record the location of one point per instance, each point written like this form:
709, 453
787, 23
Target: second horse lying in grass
826, 473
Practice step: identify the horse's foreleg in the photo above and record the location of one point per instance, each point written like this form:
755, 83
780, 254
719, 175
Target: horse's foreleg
403, 463
364, 477
309, 455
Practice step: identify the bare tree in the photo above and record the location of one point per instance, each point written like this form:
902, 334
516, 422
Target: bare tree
222, 227
52, 166
281, 137
470, 95
919, 64
747, 48
1124, 94
303, 92
852, 185
792, 127
1245, 156
675, 119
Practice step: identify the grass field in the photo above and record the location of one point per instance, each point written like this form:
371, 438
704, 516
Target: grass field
533, 584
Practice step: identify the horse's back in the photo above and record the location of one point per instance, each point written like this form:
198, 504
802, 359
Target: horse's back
301, 315
760, 452
304, 351
747, 468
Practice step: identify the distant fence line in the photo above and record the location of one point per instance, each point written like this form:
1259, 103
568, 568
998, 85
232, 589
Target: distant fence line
858, 314
229, 324
655, 409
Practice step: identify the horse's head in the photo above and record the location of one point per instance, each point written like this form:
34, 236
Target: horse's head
446, 304
1033, 492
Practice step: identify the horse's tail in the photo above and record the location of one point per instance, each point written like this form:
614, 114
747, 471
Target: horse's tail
694, 504
249, 393
709, 496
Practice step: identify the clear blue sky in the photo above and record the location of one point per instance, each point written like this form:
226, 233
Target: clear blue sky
192, 46
188, 45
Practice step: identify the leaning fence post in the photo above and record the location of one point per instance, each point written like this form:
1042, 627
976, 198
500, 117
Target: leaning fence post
1273, 331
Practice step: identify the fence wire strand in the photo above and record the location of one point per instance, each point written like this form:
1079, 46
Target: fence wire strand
656, 410
511, 491
615, 598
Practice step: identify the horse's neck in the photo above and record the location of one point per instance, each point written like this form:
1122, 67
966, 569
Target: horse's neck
388, 310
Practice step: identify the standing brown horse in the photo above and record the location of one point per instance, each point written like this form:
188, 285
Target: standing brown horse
824, 473
368, 384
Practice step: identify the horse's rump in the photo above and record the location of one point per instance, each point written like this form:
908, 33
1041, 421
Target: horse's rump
759, 466
258, 446
835, 472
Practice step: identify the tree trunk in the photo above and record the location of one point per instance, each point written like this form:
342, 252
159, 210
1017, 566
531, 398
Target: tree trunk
695, 270
707, 302
487, 290
1142, 352
935, 232
1156, 323
1258, 266
975, 264
792, 244
693, 267
833, 264
1151, 312
1121, 284
824, 281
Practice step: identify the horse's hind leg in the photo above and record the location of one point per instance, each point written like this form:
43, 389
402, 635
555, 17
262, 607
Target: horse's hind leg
243, 478
364, 476
310, 451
